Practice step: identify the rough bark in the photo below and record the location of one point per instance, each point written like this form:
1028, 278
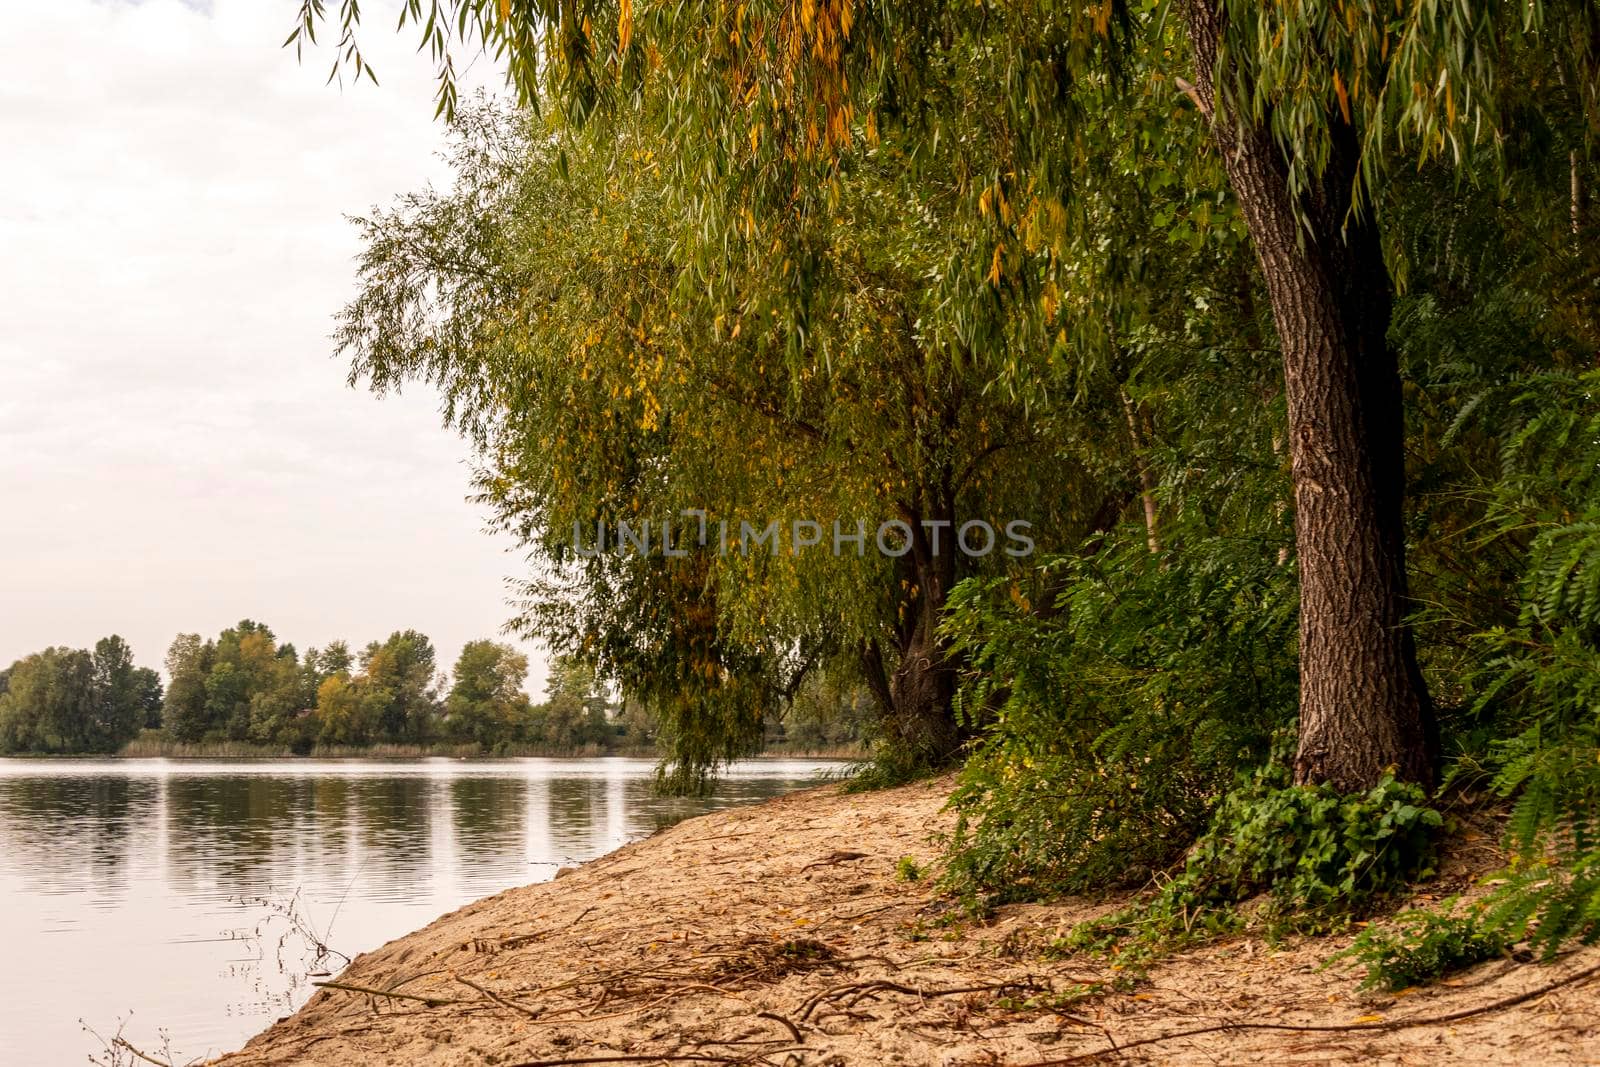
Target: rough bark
921, 725
1363, 705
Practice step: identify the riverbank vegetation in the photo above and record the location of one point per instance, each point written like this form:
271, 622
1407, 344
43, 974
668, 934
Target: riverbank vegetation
1277, 325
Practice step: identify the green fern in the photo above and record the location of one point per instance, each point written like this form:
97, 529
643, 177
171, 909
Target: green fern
1540, 680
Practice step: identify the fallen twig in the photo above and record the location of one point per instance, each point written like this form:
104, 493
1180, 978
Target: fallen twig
842, 855
496, 997
794, 1031
432, 1002
870, 911
819, 999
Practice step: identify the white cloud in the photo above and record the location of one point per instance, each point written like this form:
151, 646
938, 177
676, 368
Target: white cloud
177, 446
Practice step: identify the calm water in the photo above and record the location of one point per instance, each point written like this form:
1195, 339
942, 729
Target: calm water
158, 888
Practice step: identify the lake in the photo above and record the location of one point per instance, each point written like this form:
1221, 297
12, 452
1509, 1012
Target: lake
183, 900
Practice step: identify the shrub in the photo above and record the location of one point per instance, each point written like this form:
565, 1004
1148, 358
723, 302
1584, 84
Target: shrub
1115, 715
1321, 857
1423, 947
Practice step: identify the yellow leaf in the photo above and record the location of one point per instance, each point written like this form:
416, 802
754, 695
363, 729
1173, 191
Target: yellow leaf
994, 267
624, 25
1344, 101
1370, 1019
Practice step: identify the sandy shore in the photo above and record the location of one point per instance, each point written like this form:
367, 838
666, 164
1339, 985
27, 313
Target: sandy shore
781, 934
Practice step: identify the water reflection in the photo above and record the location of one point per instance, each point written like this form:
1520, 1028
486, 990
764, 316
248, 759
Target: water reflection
168, 888
76, 834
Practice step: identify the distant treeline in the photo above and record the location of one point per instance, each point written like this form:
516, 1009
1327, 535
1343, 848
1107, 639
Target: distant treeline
245, 688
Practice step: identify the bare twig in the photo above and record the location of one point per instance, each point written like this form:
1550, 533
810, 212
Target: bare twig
432, 1002
819, 999
552, 1020
794, 1031
841, 856
869, 911
496, 997
123, 1043
118, 1044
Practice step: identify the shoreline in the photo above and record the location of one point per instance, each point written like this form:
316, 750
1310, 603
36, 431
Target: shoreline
781, 933
399, 753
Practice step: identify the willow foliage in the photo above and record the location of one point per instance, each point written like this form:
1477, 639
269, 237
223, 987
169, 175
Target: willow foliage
546, 297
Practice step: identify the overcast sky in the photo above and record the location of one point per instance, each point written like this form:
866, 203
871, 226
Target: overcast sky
178, 448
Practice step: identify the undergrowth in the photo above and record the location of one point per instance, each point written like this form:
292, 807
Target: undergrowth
1537, 691
1116, 716
1115, 712
1315, 857
1423, 946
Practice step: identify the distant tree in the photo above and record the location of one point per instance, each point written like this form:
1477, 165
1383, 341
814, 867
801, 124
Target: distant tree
183, 709
119, 711
316, 667
828, 709
400, 672
575, 705
636, 727
70, 700
486, 704
50, 703
147, 697
345, 715
244, 667
334, 658
227, 707
277, 703
243, 686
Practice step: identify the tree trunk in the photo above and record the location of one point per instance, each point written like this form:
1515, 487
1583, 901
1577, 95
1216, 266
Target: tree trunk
1363, 705
919, 694
923, 725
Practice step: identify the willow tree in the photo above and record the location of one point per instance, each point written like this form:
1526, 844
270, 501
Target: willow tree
827, 472
1308, 106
